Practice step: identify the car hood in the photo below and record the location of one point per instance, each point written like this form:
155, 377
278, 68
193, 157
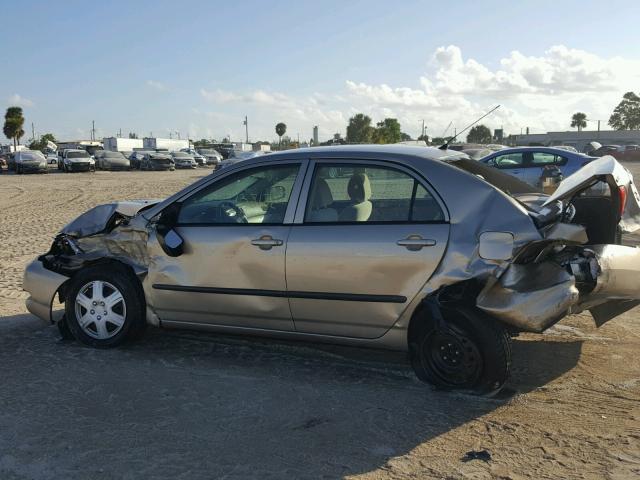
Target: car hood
104, 217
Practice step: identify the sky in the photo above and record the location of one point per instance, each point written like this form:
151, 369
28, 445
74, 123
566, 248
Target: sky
196, 68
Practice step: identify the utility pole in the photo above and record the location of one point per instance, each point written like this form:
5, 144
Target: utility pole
33, 133
422, 135
246, 128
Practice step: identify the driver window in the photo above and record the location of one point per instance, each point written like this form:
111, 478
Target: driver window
257, 195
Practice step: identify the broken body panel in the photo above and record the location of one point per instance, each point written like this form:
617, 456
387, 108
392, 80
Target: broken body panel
527, 264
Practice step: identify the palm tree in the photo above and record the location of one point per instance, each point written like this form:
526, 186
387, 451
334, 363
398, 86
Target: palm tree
13, 123
579, 120
281, 129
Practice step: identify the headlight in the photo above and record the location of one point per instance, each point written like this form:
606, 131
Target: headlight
43, 164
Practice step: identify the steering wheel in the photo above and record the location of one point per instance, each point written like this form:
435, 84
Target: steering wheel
233, 212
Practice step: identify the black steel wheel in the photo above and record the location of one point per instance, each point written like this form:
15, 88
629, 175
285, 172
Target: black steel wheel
468, 350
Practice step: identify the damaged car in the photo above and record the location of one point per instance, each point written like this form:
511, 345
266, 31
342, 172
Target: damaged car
416, 249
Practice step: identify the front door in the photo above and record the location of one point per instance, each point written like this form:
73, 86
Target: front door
232, 269
369, 238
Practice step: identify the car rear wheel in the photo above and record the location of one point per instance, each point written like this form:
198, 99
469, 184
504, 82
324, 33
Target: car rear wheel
104, 306
471, 351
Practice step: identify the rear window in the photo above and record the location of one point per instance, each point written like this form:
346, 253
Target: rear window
502, 181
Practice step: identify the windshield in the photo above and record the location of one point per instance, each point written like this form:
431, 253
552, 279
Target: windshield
112, 155
32, 156
77, 155
181, 155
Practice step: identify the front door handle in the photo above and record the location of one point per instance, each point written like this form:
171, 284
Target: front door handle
416, 242
266, 242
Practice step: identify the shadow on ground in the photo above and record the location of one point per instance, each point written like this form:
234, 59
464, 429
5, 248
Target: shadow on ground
185, 405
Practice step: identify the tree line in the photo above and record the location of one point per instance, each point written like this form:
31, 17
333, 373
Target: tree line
626, 115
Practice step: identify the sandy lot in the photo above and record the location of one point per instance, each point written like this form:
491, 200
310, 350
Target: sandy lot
186, 405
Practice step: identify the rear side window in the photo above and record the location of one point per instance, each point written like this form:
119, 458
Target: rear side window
353, 193
544, 158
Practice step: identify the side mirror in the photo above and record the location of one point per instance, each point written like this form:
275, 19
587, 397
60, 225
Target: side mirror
170, 240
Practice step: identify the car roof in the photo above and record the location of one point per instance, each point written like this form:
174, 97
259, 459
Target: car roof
558, 151
373, 152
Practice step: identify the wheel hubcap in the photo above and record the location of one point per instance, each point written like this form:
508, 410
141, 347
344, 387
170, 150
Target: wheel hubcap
100, 309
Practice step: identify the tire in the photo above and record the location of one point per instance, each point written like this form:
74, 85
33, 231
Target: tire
64, 330
472, 352
125, 317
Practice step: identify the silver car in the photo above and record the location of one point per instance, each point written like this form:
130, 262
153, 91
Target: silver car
30, 161
107, 160
414, 249
184, 160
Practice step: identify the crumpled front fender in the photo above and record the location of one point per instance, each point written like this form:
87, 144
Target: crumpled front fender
42, 286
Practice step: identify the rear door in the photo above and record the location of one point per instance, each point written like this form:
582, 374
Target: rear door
367, 237
539, 161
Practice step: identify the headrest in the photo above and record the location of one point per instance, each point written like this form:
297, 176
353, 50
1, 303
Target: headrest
321, 194
359, 188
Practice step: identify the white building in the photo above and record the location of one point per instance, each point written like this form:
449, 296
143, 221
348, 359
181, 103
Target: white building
169, 144
118, 144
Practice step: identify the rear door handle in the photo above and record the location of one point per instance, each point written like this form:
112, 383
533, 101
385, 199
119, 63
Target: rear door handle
266, 242
416, 242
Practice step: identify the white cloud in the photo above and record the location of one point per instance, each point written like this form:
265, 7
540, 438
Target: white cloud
536, 91
159, 86
19, 101
539, 92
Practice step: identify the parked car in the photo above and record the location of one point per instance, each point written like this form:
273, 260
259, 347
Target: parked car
212, 156
631, 153
157, 161
200, 160
184, 160
627, 153
108, 160
52, 158
532, 164
27, 161
446, 269
77, 161
135, 160
605, 150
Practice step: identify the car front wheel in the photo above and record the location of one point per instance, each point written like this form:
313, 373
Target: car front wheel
468, 351
104, 306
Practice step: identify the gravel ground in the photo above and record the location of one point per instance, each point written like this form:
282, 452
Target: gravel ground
190, 405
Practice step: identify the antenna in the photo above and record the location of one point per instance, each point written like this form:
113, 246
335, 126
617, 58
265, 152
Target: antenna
446, 144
